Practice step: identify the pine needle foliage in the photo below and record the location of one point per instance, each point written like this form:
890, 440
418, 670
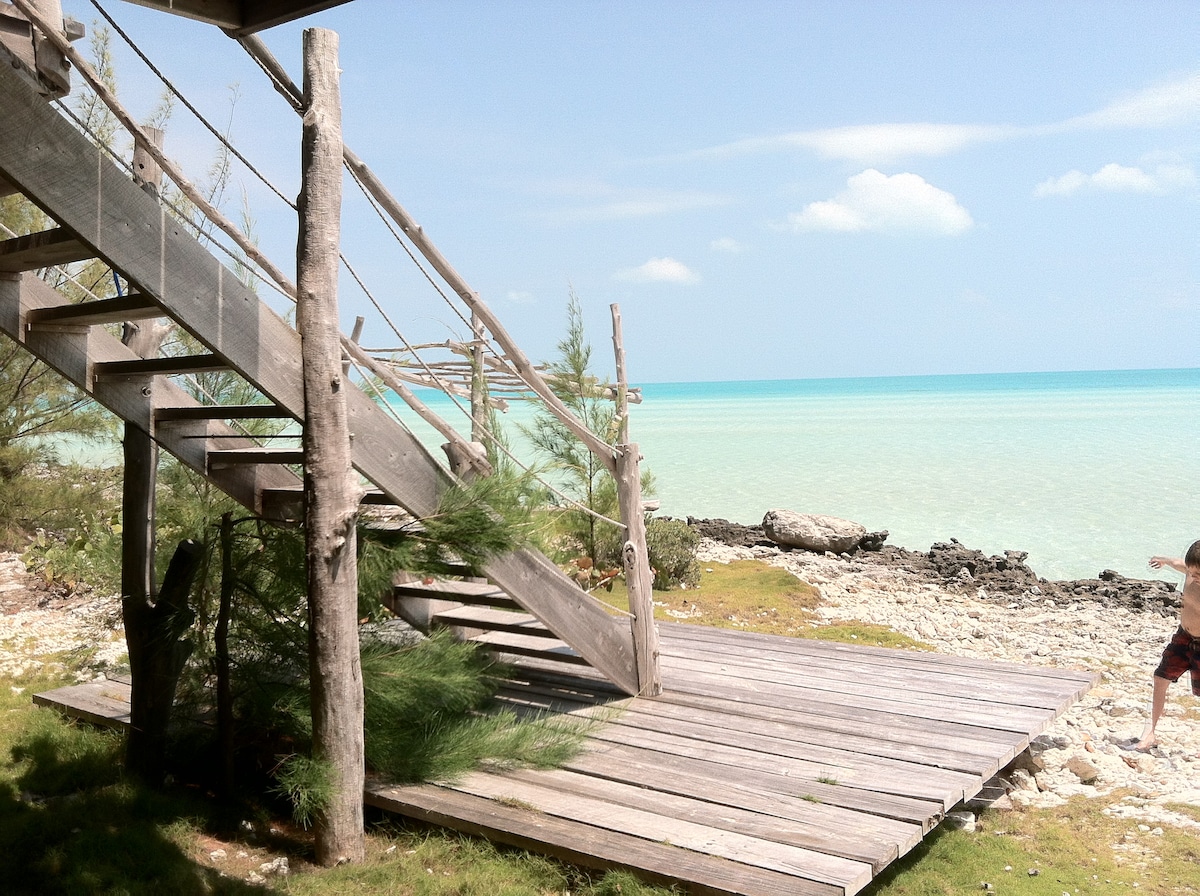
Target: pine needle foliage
424, 715
579, 473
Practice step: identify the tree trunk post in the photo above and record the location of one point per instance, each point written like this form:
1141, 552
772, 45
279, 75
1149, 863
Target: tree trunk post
634, 556
335, 668
158, 650
221, 659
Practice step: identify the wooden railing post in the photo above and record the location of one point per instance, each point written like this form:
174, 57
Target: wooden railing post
329, 482
635, 556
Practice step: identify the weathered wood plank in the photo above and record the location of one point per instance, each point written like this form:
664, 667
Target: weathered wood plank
478, 593
503, 642
872, 772
254, 454
163, 366
645, 763
99, 702
952, 754
916, 683
827, 829
813, 764
104, 311
589, 846
44, 249
864, 653
492, 619
792, 689
899, 817
805, 864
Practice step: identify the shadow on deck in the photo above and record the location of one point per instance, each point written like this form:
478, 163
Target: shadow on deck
770, 765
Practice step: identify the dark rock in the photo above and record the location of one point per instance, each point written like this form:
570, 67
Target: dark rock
733, 534
1003, 578
873, 541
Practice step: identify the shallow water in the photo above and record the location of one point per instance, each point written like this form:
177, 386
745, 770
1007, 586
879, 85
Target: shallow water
1085, 471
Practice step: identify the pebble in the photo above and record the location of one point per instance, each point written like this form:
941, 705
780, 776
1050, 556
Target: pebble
1091, 739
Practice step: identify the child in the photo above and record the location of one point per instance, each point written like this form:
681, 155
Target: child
1182, 654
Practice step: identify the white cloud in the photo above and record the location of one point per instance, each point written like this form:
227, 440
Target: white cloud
1175, 102
520, 297
726, 244
873, 201
870, 143
658, 270
1114, 178
1162, 105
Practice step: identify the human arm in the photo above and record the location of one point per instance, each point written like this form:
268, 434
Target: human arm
1174, 563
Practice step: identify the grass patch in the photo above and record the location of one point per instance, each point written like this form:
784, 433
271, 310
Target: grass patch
404, 863
1072, 849
746, 594
70, 823
754, 596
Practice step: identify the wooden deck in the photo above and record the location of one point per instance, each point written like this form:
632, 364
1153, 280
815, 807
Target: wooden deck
770, 765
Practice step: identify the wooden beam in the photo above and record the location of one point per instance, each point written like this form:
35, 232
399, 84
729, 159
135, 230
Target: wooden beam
242, 16
165, 366
44, 249
89, 314
7, 188
221, 412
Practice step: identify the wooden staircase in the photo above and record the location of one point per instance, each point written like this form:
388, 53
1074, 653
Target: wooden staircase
102, 214
483, 614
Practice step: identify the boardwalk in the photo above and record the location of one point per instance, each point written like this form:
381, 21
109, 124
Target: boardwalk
770, 765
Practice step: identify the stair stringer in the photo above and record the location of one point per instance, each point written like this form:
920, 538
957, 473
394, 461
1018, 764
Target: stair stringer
78, 186
74, 352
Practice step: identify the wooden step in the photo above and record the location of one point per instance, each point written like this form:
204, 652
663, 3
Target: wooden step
89, 314
44, 249
221, 412
288, 503
492, 619
528, 645
229, 457
165, 366
476, 594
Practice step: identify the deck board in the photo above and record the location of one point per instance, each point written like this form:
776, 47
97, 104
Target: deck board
769, 765
851, 751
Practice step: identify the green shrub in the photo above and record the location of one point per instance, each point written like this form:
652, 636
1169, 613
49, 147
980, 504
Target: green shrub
671, 545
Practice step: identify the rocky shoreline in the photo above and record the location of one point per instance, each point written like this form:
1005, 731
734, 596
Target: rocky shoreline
1000, 609
1003, 578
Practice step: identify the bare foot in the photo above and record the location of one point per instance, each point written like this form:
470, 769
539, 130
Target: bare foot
1147, 741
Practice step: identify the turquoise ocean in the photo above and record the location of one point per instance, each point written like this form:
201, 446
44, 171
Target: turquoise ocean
1085, 470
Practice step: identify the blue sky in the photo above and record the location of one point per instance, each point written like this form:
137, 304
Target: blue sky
769, 189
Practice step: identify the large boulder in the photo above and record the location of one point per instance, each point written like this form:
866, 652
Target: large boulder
812, 531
